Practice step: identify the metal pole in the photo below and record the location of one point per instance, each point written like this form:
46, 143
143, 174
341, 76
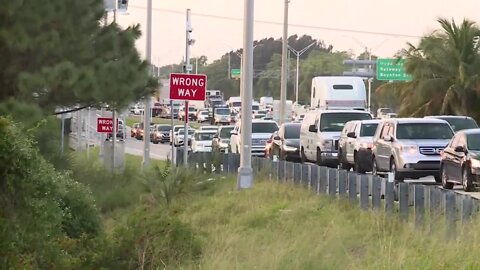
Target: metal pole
245, 172
283, 83
87, 133
171, 133
369, 82
187, 68
63, 134
196, 65
147, 111
114, 137
296, 80
229, 67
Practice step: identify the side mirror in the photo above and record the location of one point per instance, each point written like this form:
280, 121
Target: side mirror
215, 136
233, 132
312, 128
351, 135
277, 138
388, 138
459, 149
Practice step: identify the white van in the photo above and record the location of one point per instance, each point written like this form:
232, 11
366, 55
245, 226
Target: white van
266, 101
321, 131
235, 103
288, 111
336, 92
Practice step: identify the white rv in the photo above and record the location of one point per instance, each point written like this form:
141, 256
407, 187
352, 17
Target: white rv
330, 92
288, 111
266, 101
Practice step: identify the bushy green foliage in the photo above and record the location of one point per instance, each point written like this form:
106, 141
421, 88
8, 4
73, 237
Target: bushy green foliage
39, 207
152, 238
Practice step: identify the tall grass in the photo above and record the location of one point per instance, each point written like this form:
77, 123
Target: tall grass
285, 227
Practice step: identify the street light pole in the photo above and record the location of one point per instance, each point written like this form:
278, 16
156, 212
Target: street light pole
298, 54
245, 172
147, 110
283, 82
188, 41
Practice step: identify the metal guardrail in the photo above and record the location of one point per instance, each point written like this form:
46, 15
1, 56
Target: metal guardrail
411, 201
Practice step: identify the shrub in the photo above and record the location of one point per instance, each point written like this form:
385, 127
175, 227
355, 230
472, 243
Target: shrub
151, 238
39, 207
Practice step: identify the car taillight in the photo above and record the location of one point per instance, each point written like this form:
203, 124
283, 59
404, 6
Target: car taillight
269, 141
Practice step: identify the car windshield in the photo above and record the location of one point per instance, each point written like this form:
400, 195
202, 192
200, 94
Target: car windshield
292, 132
164, 128
225, 132
192, 109
204, 136
336, 121
386, 110
473, 141
424, 131
176, 128
190, 131
204, 113
461, 123
265, 127
255, 107
236, 104
223, 111
368, 130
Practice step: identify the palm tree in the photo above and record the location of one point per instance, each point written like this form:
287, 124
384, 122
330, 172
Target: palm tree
445, 68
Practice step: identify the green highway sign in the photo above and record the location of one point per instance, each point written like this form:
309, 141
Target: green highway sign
389, 69
235, 72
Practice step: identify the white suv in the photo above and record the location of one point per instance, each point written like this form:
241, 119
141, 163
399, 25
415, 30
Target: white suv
410, 147
261, 132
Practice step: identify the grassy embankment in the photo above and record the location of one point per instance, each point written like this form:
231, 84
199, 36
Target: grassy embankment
137, 119
272, 226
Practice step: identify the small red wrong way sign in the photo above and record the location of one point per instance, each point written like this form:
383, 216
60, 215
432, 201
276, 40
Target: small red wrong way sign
105, 124
188, 86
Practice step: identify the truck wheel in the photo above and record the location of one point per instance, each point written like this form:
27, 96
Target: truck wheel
302, 156
319, 158
393, 169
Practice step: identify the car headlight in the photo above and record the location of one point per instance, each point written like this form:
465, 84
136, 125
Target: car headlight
409, 149
289, 148
366, 145
475, 163
158, 134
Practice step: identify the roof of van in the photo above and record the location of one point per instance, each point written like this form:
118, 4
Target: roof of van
416, 120
337, 111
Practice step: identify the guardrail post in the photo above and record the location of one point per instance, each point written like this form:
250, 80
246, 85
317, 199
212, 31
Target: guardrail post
376, 192
281, 171
332, 182
450, 206
315, 179
342, 183
467, 208
323, 180
364, 192
297, 173
225, 163
275, 167
389, 196
290, 171
306, 175
419, 203
352, 187
403, 200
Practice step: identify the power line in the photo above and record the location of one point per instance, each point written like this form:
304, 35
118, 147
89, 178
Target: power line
281, 24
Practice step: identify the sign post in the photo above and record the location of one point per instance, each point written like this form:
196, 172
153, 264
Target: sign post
187, 87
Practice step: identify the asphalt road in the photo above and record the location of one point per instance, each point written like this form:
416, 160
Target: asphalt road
162, 151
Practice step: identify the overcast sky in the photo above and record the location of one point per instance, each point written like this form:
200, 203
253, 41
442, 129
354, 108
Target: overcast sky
218, 25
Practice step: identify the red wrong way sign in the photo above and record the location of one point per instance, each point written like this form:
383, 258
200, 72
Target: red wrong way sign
188, 86
105, 125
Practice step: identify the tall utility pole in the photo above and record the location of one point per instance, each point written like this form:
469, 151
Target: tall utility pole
188, 68
147, 111
283, 83
298, 54
245, 172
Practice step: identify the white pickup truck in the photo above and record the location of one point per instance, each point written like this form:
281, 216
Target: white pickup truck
262, 130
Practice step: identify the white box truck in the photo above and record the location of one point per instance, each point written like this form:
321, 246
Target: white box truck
337, 92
